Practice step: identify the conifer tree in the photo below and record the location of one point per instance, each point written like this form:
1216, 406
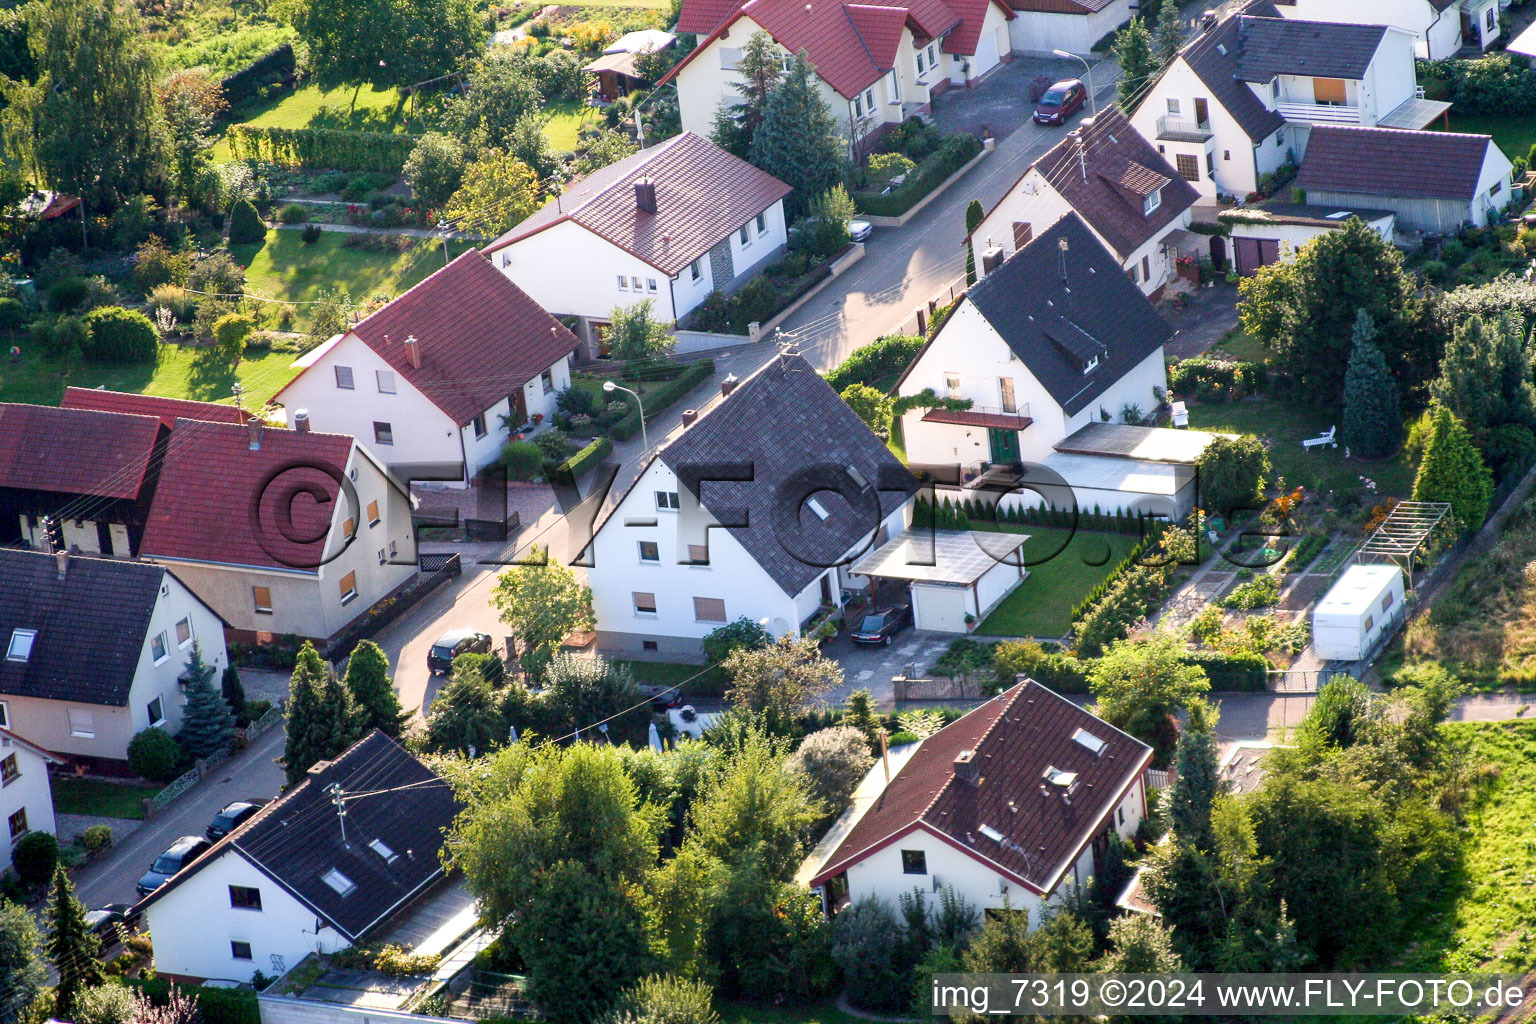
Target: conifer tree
341, 722
798, 141
71, 946
1196, 781
974, 215
1132, 48
1169, 34
207, 726
1452, 470
234, 692
369, 683
301, 749
1373, 419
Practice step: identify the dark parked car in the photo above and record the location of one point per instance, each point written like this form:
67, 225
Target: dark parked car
454, 643
182, 852
231, 818
1061, 101
879, 627
103, 921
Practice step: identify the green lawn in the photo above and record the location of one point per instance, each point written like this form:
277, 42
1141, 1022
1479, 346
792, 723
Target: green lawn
1285, 425
179, 373
377, 110
101, 799
1514, 134
283, 267
1074, 564
1238, 344
565, 120
662, 673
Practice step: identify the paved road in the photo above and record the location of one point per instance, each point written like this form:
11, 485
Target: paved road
253, 773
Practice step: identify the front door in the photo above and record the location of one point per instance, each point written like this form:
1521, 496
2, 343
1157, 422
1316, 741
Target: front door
1202, 111
519, 408
1005, 445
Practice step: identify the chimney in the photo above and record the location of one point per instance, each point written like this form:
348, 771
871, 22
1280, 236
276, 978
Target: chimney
253, 427
301, 421
966, 768
690, 417
645, 195
318, 767
413, 351
728, 384
61, 560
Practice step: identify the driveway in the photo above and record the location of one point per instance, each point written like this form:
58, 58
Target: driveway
1000, 104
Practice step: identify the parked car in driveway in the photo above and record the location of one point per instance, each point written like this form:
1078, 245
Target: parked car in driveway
860, 230
878, 628
1061, 101
454, 643
181, 853
103, 921
231, 818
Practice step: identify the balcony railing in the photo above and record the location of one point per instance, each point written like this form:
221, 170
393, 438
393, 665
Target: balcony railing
1318, 113
1180, 129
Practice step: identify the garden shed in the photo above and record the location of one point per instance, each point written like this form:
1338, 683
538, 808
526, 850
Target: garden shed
1357, 612
951, 574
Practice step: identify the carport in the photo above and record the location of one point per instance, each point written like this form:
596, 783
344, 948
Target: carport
950, 573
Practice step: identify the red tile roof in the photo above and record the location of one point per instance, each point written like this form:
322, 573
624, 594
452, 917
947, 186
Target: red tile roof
880, 29
703, 194
971, 418
169, 410
74, 451
219, 501
973, 15
1014, 740
479, 337
1061, 6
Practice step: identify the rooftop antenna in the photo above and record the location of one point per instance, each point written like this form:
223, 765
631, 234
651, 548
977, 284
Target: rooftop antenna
339, 800
1082, 152
238, 390
1063, 245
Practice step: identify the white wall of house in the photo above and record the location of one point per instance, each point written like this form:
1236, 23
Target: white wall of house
1293, 236
993, 45
1390, 80
1436, 34
26, 801
749, 256
194, 925
570, 271
982, 884
80, 536
1039, 32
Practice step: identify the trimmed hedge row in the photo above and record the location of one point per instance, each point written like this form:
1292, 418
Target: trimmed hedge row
572, 468
663, 397
1126, 565
955, 152
1231, 673
218, 1005
1216, 380
276, 65
884, 357
321, 148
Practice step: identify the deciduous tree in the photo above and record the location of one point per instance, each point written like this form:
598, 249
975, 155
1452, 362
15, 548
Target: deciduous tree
497, 191
782, 680
466, 715
1141, 682
435, 168
191, 100
873, 406
22, 968
542, 602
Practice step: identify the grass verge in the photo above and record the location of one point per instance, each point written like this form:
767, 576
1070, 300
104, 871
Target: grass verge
1514, 134
282, 267
179, 373
99, 799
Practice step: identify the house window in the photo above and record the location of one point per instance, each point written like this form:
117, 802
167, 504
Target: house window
1188, 165
1151, 203
762, 223
1210, 164
649, 551
82, 723
698, 554
1146, 268
858, 106
246, 897
650, 285
184, 632
1280, 137
20, 648
623, 282
1005, 389
666, 501
729, 58
952, 385
914, 862
9, 772
745, 235
635, 283
344, 378
391, 549
708, 609
1173, 106
261, 597
386, 381
547, 381
1226, 154
383, 558
1121, 815
373, 512
18, 822
696, 269
381, 848
649, 645
156, 711
932, 59
348, 587
1495, 188
920, 67
348, 527
240, 950
1091, 364
5, 715
478, 426
1386, 602
1491, 19
343, 885
383, 433
645, 604
158, 648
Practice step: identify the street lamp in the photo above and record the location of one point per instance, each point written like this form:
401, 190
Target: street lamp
1093, 101
609, 385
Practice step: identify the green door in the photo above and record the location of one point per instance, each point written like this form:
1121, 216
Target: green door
1005, 445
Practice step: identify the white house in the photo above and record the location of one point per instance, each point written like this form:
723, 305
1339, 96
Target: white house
669, 224
1441, 28
435, 381
878, 63
280, 531
290, 882
1043, 26
26, 800
1432, 181
1240, 100
1017, 801
93, 650
1105, 172
756, 511
1270, 232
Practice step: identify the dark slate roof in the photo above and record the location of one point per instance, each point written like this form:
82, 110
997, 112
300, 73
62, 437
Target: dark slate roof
789, 430
1109, 186
1014, 739
91, 625
1213, 56
75, 451
1321, 49
1393, 162
296, 839
1056, 326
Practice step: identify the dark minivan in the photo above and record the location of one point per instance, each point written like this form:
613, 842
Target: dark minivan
182, 852
1061, 101
877, 628
454, 643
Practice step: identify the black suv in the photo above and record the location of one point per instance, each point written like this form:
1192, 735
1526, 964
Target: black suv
877, 628
454, 643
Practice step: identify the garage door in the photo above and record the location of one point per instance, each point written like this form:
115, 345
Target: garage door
986, 55
939, 608
1253, 253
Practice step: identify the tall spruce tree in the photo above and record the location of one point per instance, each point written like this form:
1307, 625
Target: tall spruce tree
798, 142
1132, 49
369, 683
1452, 470
302, 749
1373, 419
974, 215
70, 946
234, 693
759, 69
342, 722
1196, 781
207, 726
1484, 375
1169, 34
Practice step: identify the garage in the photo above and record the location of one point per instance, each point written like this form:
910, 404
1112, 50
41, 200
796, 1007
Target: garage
950, 574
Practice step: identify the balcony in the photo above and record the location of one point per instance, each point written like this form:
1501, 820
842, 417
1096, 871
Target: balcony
1318, 113
1180, 129
982, 416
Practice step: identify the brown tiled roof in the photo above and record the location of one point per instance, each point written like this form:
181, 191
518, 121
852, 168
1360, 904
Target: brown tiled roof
74, 451
479, 337
1393, 162
169, 410
1014, 739
220, 501
971, 418
703, 194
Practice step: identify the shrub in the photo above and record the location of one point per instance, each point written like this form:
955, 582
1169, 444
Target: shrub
743, 634
882, 358
1216, 380
863, 946
435, 169
293, 213
1232, 473
1060, 672
67, 293
320, 147
523, 459
310, 235
953, 153
154, 755
665, 999
217, 1005
34, 857
13, 314
230, 333
245, 225
1260, 592
554, 444
693, 374
67, 336
119, 335
885, 166
96, 837
833, 762
572, 468
397, 963
105, 1004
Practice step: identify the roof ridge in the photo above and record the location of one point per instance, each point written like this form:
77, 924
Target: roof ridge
284, 432
1001, 714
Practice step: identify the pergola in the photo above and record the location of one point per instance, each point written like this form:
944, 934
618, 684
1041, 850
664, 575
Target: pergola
1405, 533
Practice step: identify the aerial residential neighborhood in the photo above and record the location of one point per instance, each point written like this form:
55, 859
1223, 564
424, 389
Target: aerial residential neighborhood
708, 512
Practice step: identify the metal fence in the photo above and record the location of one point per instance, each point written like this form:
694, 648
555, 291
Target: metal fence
161, 800
272, 717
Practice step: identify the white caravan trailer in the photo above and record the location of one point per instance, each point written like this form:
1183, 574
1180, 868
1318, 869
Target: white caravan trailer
1352, 616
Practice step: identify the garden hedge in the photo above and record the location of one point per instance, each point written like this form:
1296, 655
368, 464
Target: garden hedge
218, 1005
1231, 673
955, 152
274, 66
572, 468
663, 397
118, 335
321, 148
1216, 380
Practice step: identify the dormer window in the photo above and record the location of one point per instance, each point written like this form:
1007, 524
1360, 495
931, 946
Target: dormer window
343, 885
1151, 203
379, 847
1091, 364
20, 648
